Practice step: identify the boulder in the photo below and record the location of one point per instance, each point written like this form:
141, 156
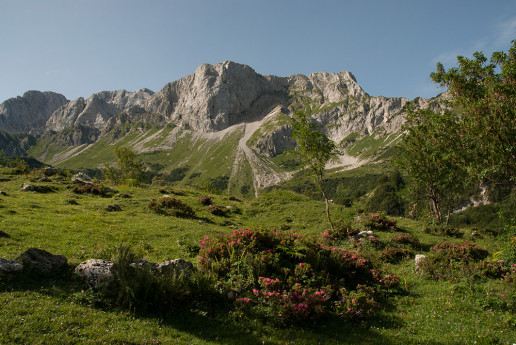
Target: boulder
41, 261
177, 265
27, 188
81, 178
418, 260
363, 234
95, 272
10, 266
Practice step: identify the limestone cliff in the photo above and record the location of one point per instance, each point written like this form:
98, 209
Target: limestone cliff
32, 110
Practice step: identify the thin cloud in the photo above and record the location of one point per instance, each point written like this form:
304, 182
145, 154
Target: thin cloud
498, 39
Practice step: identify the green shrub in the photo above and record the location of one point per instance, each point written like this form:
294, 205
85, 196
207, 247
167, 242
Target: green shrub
138, 288
94, 189
167, 204
394, 254
443, 231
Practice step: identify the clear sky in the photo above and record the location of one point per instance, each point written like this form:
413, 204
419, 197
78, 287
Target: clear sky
81, 47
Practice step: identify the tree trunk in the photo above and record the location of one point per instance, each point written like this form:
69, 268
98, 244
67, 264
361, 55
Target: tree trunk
435, 205
326, 201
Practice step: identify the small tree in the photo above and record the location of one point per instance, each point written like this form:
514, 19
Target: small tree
485, 93
126, 168
433, 154
314, 147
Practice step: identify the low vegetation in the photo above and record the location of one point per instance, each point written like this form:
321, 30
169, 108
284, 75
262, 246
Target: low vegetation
268, 271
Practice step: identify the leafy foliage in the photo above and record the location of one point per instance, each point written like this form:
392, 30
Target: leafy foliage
166, 203
485, 92
127, 169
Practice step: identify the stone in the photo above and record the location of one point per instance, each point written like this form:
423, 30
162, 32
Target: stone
418, 260
113, 208
95, 272
10, 266
177, 265
41, 261
81, 178
27, 188
363, 234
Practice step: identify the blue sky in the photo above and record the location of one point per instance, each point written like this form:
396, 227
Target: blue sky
81, 47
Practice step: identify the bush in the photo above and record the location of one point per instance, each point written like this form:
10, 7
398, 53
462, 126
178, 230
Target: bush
394, 254
284, 277
407, 239
216, 210
138, 288
94, 189
167, 204
377, 221
460, 260
341, 231
444, 231
206, 200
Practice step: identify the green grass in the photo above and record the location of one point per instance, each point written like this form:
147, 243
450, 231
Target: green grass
55, 310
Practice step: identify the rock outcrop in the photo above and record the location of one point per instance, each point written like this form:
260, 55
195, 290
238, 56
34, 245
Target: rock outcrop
32, 110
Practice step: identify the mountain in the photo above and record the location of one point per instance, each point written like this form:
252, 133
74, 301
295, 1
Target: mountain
223, 125
30, 111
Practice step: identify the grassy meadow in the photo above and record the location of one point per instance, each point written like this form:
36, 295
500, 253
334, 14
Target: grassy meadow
59, 309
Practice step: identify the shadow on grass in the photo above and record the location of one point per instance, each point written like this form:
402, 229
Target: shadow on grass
221, 327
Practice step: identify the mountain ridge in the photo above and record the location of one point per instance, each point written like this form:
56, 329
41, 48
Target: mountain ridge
222, 121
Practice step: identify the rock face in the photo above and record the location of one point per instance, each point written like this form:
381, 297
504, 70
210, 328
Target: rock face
41, 261
98, 109
32, 110
211, 99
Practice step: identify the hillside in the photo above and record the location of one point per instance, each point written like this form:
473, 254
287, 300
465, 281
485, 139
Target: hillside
465, 305
224, 122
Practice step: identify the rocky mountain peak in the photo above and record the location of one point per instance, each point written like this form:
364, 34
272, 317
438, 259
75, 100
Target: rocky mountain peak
24, 113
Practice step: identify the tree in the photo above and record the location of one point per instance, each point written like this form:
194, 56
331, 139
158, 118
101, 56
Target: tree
313, 146
485, 94
127, 168
433, 155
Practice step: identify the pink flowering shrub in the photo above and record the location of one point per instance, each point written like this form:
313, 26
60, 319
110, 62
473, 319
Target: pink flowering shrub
206, 200
216, 210
461, 260
377, 221
394, 254
339, 232
284, 277
407, 239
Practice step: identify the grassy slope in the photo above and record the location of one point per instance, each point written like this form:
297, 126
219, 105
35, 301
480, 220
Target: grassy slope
51, 311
